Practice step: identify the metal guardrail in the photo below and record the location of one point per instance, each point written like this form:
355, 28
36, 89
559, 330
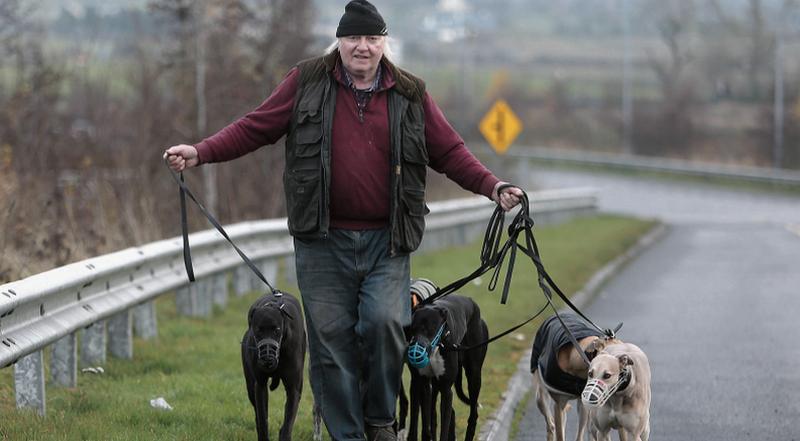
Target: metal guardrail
109, 295
635, 162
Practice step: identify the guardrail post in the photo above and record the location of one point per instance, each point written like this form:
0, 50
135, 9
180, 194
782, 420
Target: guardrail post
522, 172
144, 320
241, 280
219, 289
269, 268
93, 344
120, 335
255, 283
29, 382
64, 361
193, 300
290, 269
206, 296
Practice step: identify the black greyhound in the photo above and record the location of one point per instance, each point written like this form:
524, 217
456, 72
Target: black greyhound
274, 349
436, 331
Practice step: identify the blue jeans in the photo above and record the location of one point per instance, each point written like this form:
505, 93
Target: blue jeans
356, 301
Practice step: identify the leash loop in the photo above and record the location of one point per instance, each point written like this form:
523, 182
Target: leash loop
187, 258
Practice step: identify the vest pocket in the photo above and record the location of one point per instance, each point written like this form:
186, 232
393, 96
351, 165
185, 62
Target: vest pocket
411, 222
308, 133
415, 159
302, 201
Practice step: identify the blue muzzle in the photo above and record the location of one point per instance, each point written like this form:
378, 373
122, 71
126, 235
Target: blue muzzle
418, 355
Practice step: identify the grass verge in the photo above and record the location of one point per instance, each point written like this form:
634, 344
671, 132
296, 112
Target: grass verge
195, 363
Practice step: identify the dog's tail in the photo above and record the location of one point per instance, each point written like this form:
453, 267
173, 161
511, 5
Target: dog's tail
275, 382
460, 389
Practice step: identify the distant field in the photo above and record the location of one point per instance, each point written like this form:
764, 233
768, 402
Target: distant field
195, 364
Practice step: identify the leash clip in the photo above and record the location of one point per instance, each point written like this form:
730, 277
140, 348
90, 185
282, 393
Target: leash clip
612, 333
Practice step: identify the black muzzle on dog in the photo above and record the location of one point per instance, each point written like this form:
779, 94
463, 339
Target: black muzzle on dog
268, 353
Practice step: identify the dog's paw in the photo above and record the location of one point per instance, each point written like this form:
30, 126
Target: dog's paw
402, 435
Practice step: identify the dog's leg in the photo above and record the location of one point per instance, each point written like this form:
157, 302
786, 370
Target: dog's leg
290, 408
604, 435
416, 391
446, 408
428, 411
400, 423
592, 427
434, 400
543, 400
583, 419
452, 431
262, 409
474, 388
560, 406
646, 432
317, 423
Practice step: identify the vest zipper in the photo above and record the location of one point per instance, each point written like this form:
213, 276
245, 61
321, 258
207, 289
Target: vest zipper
324, 157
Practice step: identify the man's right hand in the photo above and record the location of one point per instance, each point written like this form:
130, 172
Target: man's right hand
181, 156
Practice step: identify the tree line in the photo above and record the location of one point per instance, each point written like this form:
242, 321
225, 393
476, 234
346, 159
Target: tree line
81, 144
83, 125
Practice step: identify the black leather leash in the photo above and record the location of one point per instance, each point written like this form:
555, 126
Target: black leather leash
187, 256
460, 348
493, 254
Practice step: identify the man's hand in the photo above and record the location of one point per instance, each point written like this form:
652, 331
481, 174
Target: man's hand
508, 198
181, 157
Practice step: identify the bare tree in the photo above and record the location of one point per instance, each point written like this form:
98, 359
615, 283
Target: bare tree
752, 27
669, 127
278, 32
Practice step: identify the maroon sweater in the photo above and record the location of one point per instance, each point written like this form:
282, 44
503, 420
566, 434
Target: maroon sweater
360, 151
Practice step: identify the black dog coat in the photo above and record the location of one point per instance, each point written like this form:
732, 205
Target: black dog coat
550, 338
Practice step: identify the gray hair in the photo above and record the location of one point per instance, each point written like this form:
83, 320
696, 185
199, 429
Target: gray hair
387, 48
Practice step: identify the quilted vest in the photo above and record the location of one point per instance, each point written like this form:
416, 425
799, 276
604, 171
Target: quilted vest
307, 174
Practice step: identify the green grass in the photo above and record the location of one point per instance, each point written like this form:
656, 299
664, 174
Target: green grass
195, 363
517, 419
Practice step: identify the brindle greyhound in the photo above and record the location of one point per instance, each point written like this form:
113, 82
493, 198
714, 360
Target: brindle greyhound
559, 371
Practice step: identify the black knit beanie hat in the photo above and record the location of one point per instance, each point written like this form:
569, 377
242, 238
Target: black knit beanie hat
361, 18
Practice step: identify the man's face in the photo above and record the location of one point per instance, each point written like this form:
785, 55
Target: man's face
361, 54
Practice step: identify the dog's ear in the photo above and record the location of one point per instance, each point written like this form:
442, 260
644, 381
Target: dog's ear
442, 312
625, 361
594, 347
250, 315
447, 316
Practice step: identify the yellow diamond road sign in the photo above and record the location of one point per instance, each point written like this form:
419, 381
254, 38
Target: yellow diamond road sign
500, 126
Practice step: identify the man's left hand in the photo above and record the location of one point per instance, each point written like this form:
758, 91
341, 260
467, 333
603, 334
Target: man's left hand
508, 198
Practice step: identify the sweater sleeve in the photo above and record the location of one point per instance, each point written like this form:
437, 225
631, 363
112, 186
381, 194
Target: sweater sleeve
263, 126
450, 156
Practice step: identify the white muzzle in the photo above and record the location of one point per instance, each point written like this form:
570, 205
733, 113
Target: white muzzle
597, 392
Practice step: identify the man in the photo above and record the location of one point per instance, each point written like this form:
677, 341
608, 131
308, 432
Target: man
359, 135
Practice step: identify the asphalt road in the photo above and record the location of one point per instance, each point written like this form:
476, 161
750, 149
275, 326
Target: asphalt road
714, 304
